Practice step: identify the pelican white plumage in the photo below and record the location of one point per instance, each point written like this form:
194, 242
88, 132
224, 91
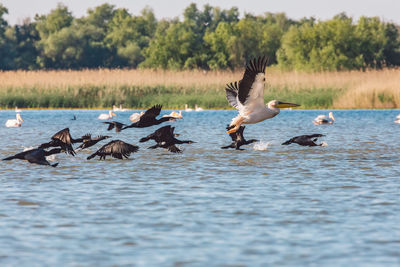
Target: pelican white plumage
115, 108
105, 116
14, 122
322, 119
136, 116
398, 119
197, 108
174, 114
187, 109
247, 96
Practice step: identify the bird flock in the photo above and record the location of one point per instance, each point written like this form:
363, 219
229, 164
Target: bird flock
246, 95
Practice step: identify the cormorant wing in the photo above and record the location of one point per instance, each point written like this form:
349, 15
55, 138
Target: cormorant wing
53, 151
151, 113
63, 135
164, 131
100, 137
118, 148
37, 156
250, 88
174, 149
315, 135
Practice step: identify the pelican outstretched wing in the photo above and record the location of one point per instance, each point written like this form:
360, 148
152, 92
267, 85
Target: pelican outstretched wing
232, 90
251, 87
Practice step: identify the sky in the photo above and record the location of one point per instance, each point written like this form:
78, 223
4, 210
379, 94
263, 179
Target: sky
388, 10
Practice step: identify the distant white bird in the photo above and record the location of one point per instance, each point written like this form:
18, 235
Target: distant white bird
136, 116
175, 114
14, 122
187, 109
197, 108
398, 119
105, 116
115, 108
247, 96
322, 119
17, 110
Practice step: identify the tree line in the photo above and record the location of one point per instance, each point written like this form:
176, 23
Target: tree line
210, 39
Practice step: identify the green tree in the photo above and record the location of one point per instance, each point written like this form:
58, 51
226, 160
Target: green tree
21, 40
128, 35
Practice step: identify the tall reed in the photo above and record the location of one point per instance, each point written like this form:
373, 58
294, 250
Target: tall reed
142, 88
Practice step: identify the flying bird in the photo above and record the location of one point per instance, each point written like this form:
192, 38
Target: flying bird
105, 116
114, 124
322, 119
304, 140
165, 138
247, 96
36, 155
238, 139
12, 123
64, 140
116, 149
149, 118
89, 141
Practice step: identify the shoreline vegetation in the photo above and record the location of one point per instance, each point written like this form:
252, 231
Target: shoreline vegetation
142, 88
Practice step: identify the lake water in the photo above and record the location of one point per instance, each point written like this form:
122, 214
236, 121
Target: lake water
337, 205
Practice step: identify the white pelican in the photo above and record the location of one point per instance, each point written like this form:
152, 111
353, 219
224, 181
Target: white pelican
398, 119
322, 119
174, 114
247, 96
105, 116
136, 116
197, 108
17, 110
15, 123
115, 108
188, 109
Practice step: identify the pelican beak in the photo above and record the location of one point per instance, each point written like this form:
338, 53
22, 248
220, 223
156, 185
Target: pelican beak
113, 114
176, 135
286, 105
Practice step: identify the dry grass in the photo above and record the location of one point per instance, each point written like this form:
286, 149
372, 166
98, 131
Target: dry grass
356, 89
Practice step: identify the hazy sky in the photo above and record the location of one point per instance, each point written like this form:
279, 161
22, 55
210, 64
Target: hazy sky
389, 10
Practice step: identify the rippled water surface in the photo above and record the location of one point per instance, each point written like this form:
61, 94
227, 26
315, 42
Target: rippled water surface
284, 205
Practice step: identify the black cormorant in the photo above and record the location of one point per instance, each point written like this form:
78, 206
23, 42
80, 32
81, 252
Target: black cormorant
238, 139
89, 141
36, 155
64, 140
165, 138
114, 124
149, 118
304, 140
116, 148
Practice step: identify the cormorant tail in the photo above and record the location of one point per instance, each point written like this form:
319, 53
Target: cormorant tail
10, 158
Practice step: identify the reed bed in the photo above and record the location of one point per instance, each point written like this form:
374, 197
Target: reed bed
103, 88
